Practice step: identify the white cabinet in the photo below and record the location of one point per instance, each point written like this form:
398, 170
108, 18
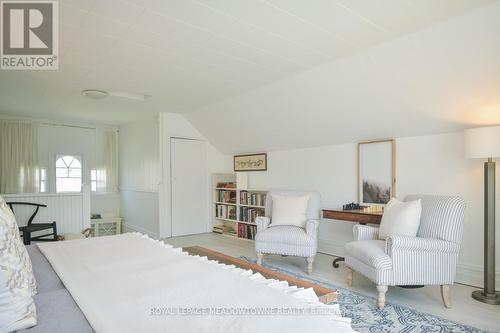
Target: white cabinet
106, 226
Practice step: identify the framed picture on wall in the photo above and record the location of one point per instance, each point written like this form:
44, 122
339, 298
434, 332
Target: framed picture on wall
376, 168
250, 162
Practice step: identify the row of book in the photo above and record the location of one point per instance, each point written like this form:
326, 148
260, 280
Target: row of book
226, 212
248, 214
226, 196
246, 231
253, 199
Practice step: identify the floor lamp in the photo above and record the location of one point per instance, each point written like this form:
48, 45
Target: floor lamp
484, 142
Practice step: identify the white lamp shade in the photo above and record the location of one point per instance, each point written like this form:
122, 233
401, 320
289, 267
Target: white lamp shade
482, 142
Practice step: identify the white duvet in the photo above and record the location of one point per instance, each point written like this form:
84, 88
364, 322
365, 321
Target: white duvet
131, 283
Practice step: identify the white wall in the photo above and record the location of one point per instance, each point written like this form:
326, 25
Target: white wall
175, 125
139, 165
424, 165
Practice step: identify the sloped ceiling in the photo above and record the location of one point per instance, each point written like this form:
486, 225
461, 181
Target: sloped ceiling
191, 53
436, 80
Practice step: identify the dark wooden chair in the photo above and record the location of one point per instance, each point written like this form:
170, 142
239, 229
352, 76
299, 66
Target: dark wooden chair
31, 227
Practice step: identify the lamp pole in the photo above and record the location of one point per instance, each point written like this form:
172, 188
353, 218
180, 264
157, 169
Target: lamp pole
488, 295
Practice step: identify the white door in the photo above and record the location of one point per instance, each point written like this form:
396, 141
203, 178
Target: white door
188, 186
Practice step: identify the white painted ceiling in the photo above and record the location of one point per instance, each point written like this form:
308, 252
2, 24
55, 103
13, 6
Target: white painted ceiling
190, 54
437, 80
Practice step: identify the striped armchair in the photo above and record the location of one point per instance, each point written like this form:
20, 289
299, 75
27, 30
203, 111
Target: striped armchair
289, 240
430, 258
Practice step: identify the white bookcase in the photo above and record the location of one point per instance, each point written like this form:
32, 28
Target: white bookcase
235, 206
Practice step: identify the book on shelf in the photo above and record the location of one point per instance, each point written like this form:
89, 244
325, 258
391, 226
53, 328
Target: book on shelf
252, 198
246, 231
226, 196
249, 214
225, 212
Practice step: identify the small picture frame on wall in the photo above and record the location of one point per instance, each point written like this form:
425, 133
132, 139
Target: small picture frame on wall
376, 171
250, 162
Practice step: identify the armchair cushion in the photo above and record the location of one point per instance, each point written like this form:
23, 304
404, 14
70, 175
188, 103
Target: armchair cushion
288, 240
370, 252
285, 235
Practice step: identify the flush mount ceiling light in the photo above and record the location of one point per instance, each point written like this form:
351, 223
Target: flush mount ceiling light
100, 94
94, 94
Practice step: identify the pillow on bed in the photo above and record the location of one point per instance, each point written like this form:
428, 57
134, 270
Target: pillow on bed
7, 214
17, 282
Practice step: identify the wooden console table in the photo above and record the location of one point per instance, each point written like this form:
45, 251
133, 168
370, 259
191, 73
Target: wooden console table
356, 216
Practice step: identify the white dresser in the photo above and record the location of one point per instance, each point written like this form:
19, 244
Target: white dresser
106, 226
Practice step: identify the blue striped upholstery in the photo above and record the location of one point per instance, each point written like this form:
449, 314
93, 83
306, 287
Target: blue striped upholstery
418, 244
370, 252
364, 232
289, 240
442, 217
428, 259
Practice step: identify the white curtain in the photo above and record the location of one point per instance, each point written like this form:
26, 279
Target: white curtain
18, 157
107, 173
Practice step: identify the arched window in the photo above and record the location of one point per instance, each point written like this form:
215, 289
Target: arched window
68, 174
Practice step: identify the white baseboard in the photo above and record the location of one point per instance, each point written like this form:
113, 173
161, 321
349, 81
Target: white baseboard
473, 275
131, 228
469, 274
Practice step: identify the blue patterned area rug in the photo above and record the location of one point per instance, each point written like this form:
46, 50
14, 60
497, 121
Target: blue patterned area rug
393, 318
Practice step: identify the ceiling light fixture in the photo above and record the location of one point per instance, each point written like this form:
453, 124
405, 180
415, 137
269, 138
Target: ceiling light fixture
100, 94
94, 94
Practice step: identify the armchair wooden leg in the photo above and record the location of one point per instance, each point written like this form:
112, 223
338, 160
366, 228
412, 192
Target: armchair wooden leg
445, 294
310, 261
381, 296
259, 258
349, 277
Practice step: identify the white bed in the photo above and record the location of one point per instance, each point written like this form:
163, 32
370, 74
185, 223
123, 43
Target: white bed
131, 283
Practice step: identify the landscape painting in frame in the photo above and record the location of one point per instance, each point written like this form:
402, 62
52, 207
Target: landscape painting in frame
250, 162
376, 164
